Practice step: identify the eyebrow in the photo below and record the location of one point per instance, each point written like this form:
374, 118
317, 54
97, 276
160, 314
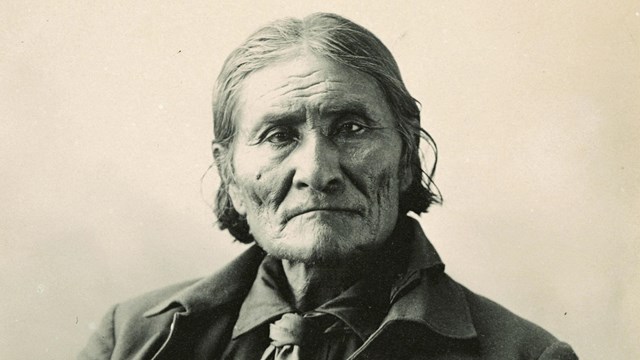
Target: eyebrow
348, 107
281, 118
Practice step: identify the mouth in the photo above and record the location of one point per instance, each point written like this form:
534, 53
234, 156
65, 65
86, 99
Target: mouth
322, 209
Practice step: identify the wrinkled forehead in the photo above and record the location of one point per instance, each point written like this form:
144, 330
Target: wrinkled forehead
307, 83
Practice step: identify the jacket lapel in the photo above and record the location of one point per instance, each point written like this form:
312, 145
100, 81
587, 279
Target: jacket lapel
201, 314
427, 305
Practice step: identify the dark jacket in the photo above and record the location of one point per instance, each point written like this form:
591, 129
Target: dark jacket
438, 319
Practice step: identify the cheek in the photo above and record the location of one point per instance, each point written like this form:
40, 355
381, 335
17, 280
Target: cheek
263, 189
254, 190
386, 190
378, 173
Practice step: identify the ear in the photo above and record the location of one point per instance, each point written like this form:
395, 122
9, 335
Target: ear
217, 150
234, 192
237, 199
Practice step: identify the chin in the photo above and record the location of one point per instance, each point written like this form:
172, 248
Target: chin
321, 238
327, 249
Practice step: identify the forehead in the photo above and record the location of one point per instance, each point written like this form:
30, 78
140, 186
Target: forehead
307, 84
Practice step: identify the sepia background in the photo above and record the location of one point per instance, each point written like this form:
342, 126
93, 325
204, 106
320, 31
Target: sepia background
105, 130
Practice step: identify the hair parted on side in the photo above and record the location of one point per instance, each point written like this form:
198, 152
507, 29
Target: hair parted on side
346, 43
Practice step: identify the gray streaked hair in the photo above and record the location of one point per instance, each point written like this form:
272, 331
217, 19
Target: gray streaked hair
346, 43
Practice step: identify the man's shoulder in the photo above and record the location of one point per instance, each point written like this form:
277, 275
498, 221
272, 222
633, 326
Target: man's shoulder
489, 315
124, 329
141, 324
142, 303
195, 295
498, 329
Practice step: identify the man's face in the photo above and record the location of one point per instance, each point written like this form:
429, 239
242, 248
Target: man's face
316, 161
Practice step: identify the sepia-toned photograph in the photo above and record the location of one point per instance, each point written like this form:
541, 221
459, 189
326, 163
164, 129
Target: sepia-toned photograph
335, 180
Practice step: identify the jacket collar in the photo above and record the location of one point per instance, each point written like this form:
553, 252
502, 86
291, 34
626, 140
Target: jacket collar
425, 295
266, 300
230, 283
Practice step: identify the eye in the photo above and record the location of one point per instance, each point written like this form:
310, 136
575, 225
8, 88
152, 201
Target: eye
350, 128
279, 136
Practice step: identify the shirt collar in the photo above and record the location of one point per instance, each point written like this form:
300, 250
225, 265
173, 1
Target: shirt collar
361, 307
266, 299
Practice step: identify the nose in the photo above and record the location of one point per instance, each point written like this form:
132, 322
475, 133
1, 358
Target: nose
317, 164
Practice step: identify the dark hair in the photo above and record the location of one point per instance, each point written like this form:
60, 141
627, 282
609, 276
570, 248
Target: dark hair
346, 43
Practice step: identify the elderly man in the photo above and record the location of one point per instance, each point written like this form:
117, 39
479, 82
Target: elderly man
317, 146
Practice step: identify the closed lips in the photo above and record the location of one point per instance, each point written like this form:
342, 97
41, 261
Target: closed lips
308, 210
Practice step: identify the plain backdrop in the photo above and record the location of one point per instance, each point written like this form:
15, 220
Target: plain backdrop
105, 130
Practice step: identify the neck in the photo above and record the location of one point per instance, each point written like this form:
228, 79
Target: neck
313, 285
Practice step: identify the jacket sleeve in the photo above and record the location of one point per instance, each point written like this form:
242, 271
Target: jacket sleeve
558, 351
101, 343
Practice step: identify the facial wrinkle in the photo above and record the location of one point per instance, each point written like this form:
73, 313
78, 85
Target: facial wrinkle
301, 86
296, 78
312, 96
281, 191
290, 99
354, 179
272, 190
306, 75
381, 196
315, 87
